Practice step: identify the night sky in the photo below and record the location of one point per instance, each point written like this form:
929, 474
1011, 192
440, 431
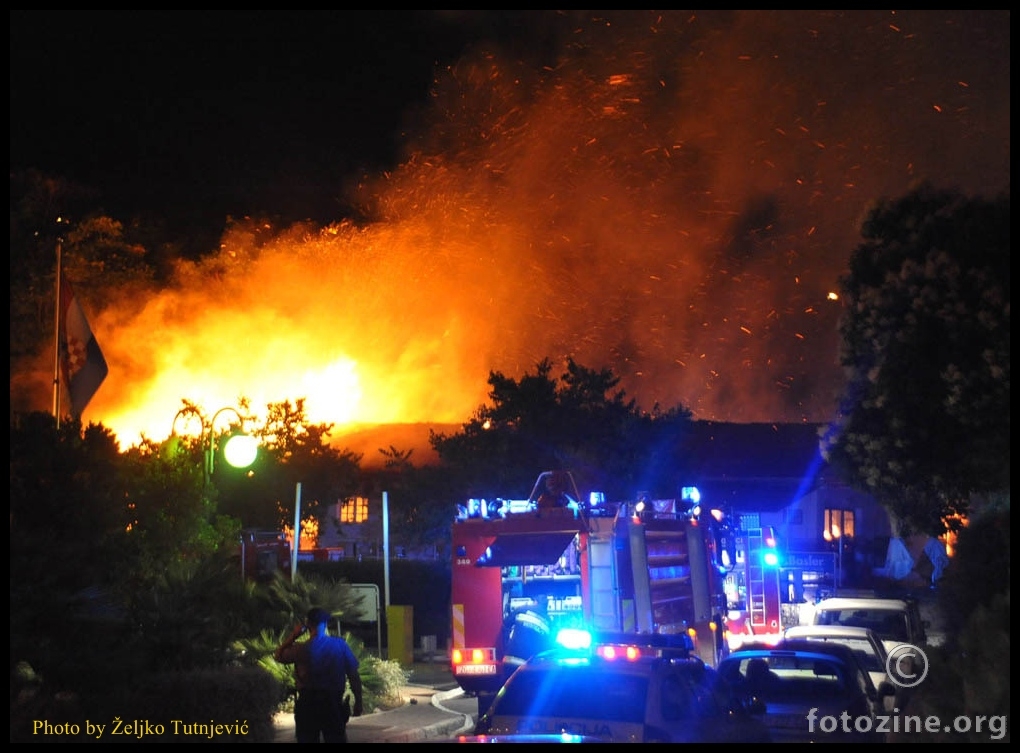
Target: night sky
672, 194
202, 115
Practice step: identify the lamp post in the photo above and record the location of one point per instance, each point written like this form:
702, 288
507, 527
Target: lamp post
239, 450
833, 533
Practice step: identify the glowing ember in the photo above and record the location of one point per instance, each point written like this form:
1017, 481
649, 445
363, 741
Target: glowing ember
673, 199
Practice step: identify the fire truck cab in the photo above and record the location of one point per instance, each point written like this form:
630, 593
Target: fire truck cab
524, 569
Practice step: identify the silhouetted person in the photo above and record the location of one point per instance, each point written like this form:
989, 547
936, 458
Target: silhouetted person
555, 493
323, 665
759, 677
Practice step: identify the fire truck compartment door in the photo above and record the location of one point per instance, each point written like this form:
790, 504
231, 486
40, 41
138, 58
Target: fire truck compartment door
526, 549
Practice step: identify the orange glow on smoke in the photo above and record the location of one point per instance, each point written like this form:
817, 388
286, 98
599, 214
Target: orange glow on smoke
677, 207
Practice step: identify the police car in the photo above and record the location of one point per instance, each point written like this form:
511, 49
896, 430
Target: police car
627, 689
813, 691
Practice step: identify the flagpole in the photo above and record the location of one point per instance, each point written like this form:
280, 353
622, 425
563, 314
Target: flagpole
56, 340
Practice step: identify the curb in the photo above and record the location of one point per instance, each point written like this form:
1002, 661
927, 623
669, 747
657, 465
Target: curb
456, 724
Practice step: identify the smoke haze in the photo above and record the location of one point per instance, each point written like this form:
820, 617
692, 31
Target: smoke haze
669, 194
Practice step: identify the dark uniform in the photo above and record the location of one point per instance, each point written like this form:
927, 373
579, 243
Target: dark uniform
322, 667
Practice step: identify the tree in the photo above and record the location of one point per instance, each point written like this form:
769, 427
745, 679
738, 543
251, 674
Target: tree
980, 569
924, 423
292, 450
422, 502
579, 421
68, 555
66, 503
105, 260
172, 518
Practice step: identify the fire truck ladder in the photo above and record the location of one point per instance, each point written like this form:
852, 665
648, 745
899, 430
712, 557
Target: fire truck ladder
755, 579
602, 571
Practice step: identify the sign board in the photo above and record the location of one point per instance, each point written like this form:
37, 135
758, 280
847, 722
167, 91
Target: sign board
366, 597
367, 600
819, 562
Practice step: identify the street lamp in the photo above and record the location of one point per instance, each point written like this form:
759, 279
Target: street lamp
833, 533
239, 450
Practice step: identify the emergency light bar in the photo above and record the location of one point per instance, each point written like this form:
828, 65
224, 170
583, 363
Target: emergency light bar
624, 646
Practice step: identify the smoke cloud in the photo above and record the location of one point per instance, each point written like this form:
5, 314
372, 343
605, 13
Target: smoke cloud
669, 194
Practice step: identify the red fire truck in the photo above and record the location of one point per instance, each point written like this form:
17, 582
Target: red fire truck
523, 569
264, 554
752, 588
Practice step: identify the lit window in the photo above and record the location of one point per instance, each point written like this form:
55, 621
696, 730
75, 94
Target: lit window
354, 510
840, 524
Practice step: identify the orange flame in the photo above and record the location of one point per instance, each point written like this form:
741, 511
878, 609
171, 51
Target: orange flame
625, 208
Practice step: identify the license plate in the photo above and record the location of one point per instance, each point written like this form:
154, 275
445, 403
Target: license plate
475, 669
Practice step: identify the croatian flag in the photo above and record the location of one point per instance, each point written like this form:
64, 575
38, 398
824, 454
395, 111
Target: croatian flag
82, 365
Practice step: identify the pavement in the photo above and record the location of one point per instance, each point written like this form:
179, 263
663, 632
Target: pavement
423, 716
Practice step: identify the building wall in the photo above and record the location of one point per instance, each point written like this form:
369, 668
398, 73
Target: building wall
799, 527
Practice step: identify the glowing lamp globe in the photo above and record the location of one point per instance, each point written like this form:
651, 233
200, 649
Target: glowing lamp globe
240, 450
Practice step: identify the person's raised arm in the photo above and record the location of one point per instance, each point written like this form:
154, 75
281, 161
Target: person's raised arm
296, 633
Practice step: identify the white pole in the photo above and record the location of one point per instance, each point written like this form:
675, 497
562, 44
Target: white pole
386, 544
56, 338
297, 531
839, 580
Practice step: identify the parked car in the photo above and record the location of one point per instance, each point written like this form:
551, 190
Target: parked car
895, 621
807, 687
865, 644
625, 689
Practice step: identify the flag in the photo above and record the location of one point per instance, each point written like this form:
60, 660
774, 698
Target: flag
82, 365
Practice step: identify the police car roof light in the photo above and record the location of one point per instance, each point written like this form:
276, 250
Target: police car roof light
574, 638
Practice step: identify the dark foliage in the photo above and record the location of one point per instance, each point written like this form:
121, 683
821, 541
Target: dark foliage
979, 571
579, 421
925, 418
423, 585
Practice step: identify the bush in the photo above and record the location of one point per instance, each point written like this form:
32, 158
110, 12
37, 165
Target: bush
209, 706
979, 572
969, 682
381, 680
423, 585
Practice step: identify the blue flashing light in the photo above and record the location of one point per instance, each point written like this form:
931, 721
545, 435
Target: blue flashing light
574, 638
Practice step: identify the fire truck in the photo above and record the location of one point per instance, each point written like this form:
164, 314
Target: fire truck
524, 569
752, 588
263, 554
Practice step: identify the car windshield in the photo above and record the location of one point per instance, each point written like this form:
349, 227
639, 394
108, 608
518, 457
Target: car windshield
788, 678
888, 625
865, 652
577, 692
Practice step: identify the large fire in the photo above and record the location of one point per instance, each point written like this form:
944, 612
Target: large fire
672, 201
